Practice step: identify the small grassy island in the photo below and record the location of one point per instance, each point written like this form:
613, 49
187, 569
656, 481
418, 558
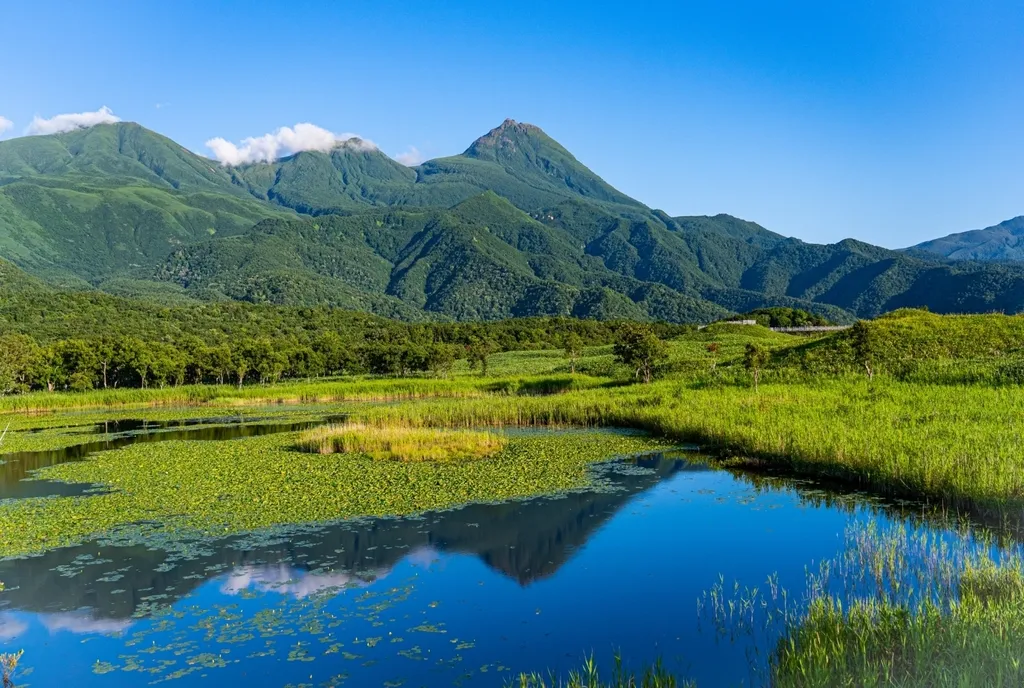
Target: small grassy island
397, 443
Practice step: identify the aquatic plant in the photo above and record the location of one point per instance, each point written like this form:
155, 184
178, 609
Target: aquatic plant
589, 676
232, 486
400, 443
8, 667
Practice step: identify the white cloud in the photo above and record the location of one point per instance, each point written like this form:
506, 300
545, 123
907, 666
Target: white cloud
11, 626
411, 157
281, 143
71, 121
82, 622
5, 125
285, 580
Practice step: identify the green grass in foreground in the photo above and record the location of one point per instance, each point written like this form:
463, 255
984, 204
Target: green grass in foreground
253, 483
977, 640
897, 607
399, 443
913, 609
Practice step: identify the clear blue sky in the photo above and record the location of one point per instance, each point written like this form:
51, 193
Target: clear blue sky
891, 122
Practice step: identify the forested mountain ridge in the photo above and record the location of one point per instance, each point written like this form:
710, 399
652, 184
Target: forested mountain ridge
1002, 242
514, 226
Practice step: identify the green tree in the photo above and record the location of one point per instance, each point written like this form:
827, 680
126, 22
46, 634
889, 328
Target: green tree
382, 358
303, 361
167, 364
478, 353
755, 357
18, 357
639, 348
240, 364
49, 369
440, 359
218, 362
78, 362
268, 361
573, 346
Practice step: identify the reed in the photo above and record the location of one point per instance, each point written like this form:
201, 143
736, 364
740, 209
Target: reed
906, 439
328, 391
974, 637
589, 676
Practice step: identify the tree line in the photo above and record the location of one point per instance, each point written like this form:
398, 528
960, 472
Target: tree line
119, 361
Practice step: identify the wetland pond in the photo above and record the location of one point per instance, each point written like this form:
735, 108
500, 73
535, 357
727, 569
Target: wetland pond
466, 597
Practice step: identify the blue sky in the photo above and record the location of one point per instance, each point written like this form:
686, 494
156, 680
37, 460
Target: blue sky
891, 122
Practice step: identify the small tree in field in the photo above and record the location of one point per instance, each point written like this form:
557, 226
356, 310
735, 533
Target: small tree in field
440, 359
755, 357
637, 347
865, 347
478, 354
573, 348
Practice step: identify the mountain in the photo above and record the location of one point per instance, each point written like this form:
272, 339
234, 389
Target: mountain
513, 226
1004, 241
85, 205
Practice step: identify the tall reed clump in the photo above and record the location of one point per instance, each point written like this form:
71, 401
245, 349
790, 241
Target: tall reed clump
899, 606
589, 676
398, 443
974, 639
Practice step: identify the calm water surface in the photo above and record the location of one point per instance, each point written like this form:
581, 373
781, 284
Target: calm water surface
465, 597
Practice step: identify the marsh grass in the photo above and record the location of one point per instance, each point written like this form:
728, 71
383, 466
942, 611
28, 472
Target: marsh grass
973, 638
898, 607
398, 443
589, 676
298, 392
960, 444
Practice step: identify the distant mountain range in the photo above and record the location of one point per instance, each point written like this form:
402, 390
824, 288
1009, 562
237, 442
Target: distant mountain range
1003, 242
514, 226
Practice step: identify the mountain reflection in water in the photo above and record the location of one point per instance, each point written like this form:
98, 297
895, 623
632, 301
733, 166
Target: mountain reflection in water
525, 541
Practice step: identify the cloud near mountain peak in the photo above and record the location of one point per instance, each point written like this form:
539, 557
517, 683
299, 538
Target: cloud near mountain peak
60, 124
411, 157
282, 143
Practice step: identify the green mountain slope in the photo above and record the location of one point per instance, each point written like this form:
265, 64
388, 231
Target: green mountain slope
514, 226
95, 202
482, 259
1004, 241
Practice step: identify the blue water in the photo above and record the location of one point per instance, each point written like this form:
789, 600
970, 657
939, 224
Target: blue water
467, 597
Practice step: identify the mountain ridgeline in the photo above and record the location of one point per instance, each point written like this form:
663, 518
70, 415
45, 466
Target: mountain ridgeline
514, 226
1003, 242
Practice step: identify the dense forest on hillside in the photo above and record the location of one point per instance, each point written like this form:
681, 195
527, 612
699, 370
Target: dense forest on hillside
58, 339
515, 226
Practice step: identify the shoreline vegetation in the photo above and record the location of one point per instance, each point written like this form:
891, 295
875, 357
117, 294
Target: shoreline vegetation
867, 618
